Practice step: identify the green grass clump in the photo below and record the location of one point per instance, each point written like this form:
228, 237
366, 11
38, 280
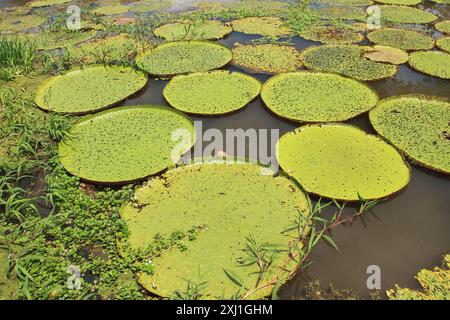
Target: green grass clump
433, 63
402, 39
17, 56
387, 54
444, 44
193, 30
265, 26
402, 14
331, 34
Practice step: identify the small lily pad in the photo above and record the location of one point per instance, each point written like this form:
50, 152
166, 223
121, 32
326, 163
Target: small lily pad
265, 26
434, 63
387, 54
203, 30
331, 34
402, 14
402, 39
342, 162
443, 26
444, 44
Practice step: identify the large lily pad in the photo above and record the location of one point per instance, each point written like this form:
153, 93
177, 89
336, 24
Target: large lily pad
266, 58
203, 30
341, 12
59, 39
331, 34
125, 144
444, 44
434, 63
181, 57
317, 97
265, 26
211, 93
356, 3
443, 26
342, 162
417, 125
89, 89
21, 22
401, 38
111, 10
387, 54
400, 2
46, 3
348, 60
231, 202
404, 14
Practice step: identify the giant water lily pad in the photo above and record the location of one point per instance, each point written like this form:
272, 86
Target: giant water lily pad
317, 97
9, 286
342, 162
266, 58
341, 12
15, 23
215, 92
417, 125
265, 26
434, 63
441, 1
180, 57
348, 60
203, 30
444, 44
331, 34
46, 3
387, 54
231, 202
404, 14
355, 3
443, 26
402, 39
111, 10
126, 143
55, 40
400, 2
89, 89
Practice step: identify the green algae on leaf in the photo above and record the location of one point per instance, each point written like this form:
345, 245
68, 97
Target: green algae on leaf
400, 2
402, 39
317, 97
433, 63
266, 58
46, 3
443, 26
180, 57
387, 54
444, 44
211, 93
347, 60
230, 202
265, 26
331, 34
111, 10
402, 14
124, 144
89, 89
418, 126
343, 162
204, 30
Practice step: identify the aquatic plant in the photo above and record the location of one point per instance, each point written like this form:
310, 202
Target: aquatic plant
400, 2
179, 57
317, 97
125, 143
418, 126
58, 39
89, 89
443, 26
266, 58
347, 60
343, 162
9, 285
46, 3
211, 93
189, 30
14, 23
444, 44
200, 197
441, 1
402, 14
151, 5
265, 26
239, 9
387, 54
111, 10
331, 34
16, 56
341, 12
361, 3
401, 38
434, 63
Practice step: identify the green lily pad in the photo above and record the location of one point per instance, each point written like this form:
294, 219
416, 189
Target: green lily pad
444, 44
111, 10
341, 12
204, 30
400, 2
331, 34
9, 287
404, 14
46, 3
342, 162
387, 54
89, 89
124, 144
231, 202
441, 1
211, 93
55, 40
402, 39
317, 97
152, 5
434, 63
418, 126
13, 23
347, 60
266, 58
265, 26
361, 3
179, 57
443, 26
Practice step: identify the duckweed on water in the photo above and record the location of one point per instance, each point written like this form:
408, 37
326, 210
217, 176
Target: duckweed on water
342, 162
400, 2
347, 60
387, 54
206, 197
204, 30
402, 39
444, 44
404, 14
434, 63
211, 93
331, 34
317, 97
266, 58
417, 125
181, 57
265, 26
89, 89
443, 26
124, 144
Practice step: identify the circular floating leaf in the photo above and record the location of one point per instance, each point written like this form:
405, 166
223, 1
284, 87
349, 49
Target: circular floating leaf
124, 144
20, 22
227, 203
443, 26
404, 14
361, 3
266, 58
152, 5
89, 89
387, 54
341, 12
111, 10
331, 34
342, 162
434, 63
400, 2
441, 1
203, 30
347, 60
418, 126
265, 26
402, 39
444, 44
46, 3
180, 57
211, 93
317, 97
55, 40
